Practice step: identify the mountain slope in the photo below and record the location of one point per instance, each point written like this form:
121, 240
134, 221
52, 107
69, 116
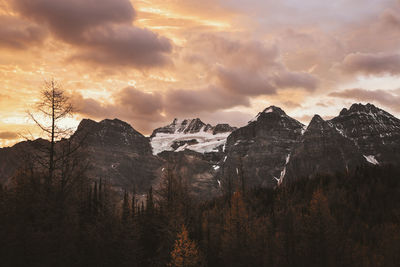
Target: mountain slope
321, 149
270, 150
374, 131
259, 150
118, 153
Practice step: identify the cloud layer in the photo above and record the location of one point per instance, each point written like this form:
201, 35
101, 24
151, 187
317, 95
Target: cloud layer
8, 135
372, 64
149, 61
19, 34
101, 29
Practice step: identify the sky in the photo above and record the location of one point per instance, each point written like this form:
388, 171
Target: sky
149, 61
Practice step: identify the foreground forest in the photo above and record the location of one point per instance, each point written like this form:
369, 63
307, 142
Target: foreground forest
341, 220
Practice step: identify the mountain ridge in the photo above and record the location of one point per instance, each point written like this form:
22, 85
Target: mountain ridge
272, 149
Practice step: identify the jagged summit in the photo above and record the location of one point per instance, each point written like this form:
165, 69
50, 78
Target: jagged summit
358, 108
317, 122
261, 148
184, 126
192, 134
274, 109
106, 126
374, 131
317, 119
271, 110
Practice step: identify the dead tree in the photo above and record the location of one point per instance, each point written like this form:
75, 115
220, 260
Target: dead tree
53, 106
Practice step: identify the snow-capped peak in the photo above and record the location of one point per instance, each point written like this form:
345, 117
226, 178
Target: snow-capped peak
268, 110
192, 134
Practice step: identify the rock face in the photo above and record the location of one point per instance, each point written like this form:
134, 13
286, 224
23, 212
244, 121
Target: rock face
223, 128
322, 149
259, 150
118, 153
374, 131
190, 134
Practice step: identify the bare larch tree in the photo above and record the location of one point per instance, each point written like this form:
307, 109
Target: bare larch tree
53, 106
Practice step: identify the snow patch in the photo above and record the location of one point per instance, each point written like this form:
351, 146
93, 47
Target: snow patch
207, 142
371, 159
303, 130
283, 172
269, 110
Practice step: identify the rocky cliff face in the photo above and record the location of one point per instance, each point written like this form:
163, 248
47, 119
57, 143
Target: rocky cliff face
259, 150
375, 132
321, 149
118, 153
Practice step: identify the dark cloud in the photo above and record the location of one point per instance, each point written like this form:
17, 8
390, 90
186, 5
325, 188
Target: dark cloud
253, 54
186, 102
19, 34
141, 110
287, 79
386, 98
92, 108
8, 135
244, 82
140, 103
372, 64
247, 68
254, 83
124, 45
391, 19
69, 19
291, 104
102, 29
128, 103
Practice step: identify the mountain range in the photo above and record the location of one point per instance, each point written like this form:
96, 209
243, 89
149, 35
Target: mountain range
272, 149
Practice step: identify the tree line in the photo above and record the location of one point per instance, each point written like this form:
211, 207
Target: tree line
341, 220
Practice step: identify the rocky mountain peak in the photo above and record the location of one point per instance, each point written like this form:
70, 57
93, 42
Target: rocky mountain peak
89, 125
317, 119
374, 131
223, 128
358, 108
112, 133
86, 124
190, 134
184, 126
274, 109
268, 113
317, 123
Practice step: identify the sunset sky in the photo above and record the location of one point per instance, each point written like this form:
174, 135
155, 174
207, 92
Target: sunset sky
147, 62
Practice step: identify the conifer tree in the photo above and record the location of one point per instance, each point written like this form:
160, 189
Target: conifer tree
125, 208
185, 252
